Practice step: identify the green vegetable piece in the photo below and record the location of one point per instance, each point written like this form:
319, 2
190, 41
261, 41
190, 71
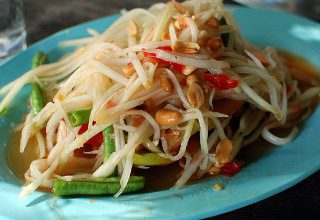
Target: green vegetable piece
37, 99
224, 37
150, 159
3, 111
79, 117
98, 186
108, 142
37, 96
39, 59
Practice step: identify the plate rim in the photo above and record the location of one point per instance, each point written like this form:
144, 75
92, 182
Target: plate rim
226, 209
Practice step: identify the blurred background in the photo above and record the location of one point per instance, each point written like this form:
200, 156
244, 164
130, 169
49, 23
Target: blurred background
43, 18
47, 17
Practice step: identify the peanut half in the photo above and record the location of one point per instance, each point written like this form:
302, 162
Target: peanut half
185, 47
166, 84
167, 117
223, 151
195, 95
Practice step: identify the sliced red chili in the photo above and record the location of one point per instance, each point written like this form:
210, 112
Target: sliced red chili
231, 168
175, 66
165, 48
92, 144
219, 81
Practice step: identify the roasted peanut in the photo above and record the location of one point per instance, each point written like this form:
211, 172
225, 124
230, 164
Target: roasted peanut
132, 29
191, 79
166, 84
213, 22
195, 95
185, 47
129, 70
167, 117
215, 43
223, 151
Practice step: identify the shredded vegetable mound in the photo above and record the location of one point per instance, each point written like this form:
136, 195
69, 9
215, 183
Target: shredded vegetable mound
135, 95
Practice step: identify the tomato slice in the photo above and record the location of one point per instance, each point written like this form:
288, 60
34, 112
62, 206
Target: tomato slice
92, 144
220, 81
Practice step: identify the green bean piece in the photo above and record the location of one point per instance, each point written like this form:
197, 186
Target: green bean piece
108, 142
37, 99
37, 96
3, 111
98, 186
39, 59
79, 117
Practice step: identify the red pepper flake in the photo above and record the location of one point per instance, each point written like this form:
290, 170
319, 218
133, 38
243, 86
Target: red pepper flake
92, 144
220, 81
232, 168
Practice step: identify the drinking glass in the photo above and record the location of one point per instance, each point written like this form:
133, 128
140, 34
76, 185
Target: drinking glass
12, 28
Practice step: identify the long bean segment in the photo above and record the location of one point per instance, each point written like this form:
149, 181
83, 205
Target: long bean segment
37, 96
79, 117
108, 142
98, 186
39, 59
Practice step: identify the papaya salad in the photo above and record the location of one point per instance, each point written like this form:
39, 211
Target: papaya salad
135, 96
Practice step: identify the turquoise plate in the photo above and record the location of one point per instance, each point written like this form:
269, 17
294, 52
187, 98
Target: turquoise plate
276, 171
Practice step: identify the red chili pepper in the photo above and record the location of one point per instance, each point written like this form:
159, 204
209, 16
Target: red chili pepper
176, 66
220, 81
165, 48
231, 168
92, 144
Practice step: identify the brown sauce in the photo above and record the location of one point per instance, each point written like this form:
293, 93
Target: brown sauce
164, 177
19, 162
